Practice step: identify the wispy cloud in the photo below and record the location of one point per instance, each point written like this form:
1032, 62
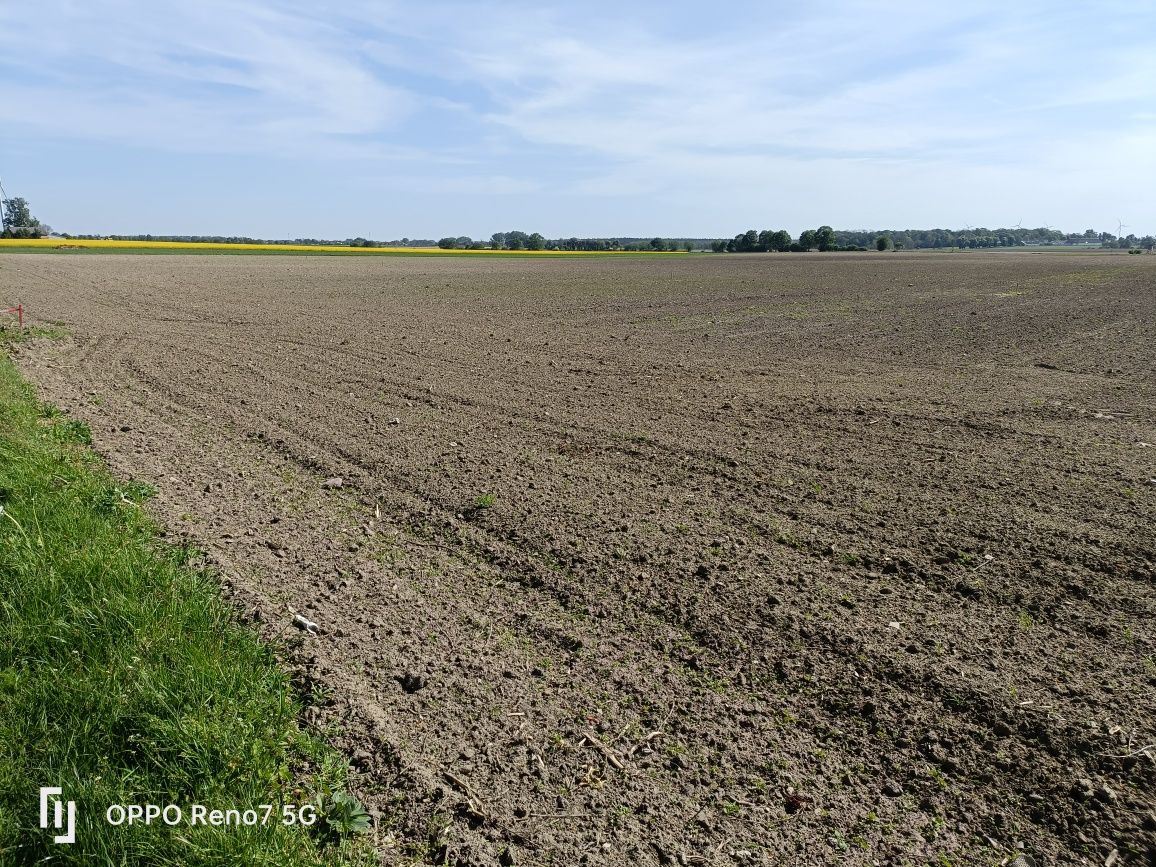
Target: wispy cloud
212, 75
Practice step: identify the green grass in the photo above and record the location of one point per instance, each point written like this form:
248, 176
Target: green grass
125, 679
16, 335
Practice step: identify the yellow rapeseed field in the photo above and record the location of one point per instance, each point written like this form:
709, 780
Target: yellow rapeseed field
71, 243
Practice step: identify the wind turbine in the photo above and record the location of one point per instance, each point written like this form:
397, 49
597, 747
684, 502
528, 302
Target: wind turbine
1120, 227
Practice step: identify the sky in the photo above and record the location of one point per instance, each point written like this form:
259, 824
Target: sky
309, 118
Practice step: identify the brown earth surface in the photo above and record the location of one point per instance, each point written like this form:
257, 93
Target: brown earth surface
713, 560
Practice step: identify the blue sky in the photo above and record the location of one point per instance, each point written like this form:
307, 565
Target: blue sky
279, 118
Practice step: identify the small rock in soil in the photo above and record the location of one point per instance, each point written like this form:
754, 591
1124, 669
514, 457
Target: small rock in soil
305, 623
892, 789
335, 482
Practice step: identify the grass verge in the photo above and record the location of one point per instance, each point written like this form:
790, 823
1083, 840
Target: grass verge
124, 678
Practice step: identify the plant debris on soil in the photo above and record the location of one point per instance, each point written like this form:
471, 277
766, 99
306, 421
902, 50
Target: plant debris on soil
709, 560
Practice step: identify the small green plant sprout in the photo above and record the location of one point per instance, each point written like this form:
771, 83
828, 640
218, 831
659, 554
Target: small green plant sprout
485, 501
345, 815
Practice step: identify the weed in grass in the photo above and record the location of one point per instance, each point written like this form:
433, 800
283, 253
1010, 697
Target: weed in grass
72, 431
345, 815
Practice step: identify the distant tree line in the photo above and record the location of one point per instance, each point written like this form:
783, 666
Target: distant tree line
517, 240
982, 238
827, 239
823, 238
18, 222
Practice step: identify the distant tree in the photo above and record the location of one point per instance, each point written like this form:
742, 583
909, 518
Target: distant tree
780, 241
516, 240
883, 243
687, 246
718, 246
536, 242
1148, 243
19, 222
448, 243
498, 240
808, 240
657, 244
825, 238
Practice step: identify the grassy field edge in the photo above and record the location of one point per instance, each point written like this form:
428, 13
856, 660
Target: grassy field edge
126, 679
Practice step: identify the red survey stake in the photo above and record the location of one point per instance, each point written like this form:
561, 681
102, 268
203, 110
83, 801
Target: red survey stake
19, 311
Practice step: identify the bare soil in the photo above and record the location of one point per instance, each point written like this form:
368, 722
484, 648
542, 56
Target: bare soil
782, 559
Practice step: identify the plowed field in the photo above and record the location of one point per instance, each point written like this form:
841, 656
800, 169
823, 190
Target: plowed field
768, 559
